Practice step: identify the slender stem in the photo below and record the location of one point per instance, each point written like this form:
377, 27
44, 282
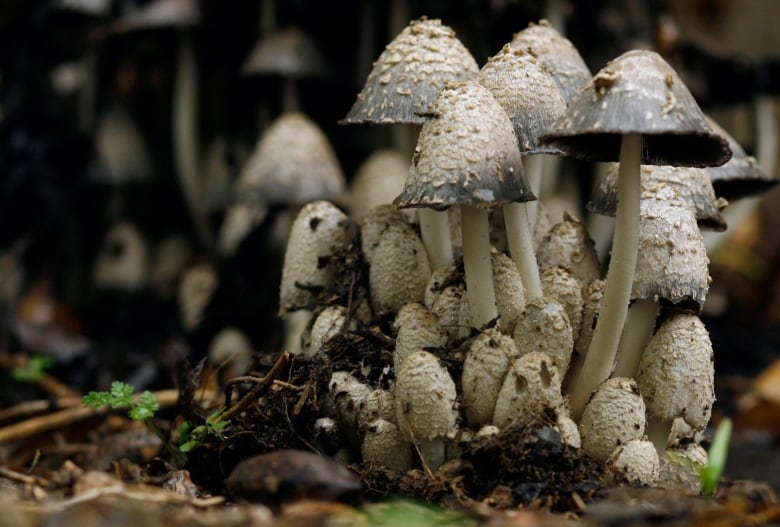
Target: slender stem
435, 234
477, 265
534, 173
636, 334
521, 247
658, 431
185, 140
290, 100
617, 291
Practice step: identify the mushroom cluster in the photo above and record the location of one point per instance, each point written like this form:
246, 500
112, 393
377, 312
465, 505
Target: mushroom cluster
483, 338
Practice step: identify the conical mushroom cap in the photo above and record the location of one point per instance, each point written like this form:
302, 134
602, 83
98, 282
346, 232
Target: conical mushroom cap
529, 95
557, 54
292, 163
638, 93
466, 154
160, 14
741, 176
693, 185
409, 74
287, 52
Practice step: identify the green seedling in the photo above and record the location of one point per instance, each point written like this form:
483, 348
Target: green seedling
33, 369
710, 473
120, 395
194, 437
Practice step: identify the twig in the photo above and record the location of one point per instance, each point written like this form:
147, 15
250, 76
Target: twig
257, 389
45, 381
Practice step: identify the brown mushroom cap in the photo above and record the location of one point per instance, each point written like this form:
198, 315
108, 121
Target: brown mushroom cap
741, 176
528, 93
638, 93
293, 162
693, 185
466, 154
557, 54
409, 74
288, 52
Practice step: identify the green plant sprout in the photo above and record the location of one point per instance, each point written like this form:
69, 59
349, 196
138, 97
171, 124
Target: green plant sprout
193, 437
710, 473
120, 395
33, 369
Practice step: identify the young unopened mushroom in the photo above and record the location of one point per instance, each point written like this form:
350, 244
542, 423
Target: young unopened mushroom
635, 462
445, 295
484, 369
614, 416
559, 284
330, 322
405, 80
544, 327
346, 393
196, 287
122, 263
379, 179
231, 348
635, 109
532, 384
425, 398
680, 468
384, 444
418, 329
676, 377
467, 156
568, 244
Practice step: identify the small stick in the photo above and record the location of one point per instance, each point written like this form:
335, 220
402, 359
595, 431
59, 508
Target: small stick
258, 388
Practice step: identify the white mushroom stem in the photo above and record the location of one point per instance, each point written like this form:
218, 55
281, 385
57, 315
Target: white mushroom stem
657, 431
521, 248
477, 265
534, 166
185, 140
636, 334
435, 234
600, 358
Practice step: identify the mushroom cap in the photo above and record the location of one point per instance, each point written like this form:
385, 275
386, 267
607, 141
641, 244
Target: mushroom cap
379, 179
121, 153
557, 54
484, 369
318, 232
529, 95
509, 289
741, 176
680, 468
568, 244
293, 162
287, 52
672, 262
160, 14
544, 327
409, 74
329, 323
636, 462
418, 329
638, 93
466, 154
425, 398
560, 284
384, 444
591, 306
676, 373
693, 184
614, 416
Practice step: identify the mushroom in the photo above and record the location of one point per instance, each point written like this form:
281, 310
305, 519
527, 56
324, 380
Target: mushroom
676, 377
329, 323
379, 179
544, 327
532, 101
614, 416
635, 108
385, 445
635, 462
196, 287
122, 262
405, 80
568, 244
467, 156
425, 398
230, 347
560, 285
418, 329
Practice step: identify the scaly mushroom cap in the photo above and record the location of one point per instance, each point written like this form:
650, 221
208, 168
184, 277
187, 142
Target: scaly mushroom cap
680, 468
741, 176
528, 94
445, 295
425, 398
692, 184
328, 324
557, 54
399, 269
384, 444
286, 52
510, 293
345, 395
568, 244
635, 462
672, 262
318, 232
532, 384
559, 284
378, 404
418, 329
638, 93
376, 222
379, 179
591, 305
292, 162
484, 369
409, 74
544, 327
466, 154
676, 373
614, 416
